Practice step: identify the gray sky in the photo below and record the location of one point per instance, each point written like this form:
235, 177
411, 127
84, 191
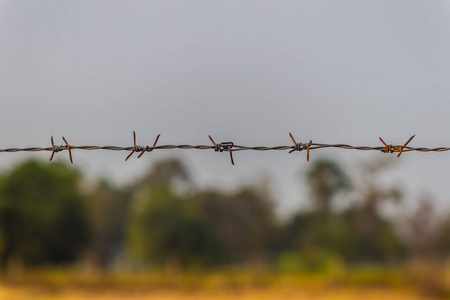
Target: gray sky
243, 71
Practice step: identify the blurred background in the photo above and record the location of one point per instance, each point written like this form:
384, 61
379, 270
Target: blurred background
188, 222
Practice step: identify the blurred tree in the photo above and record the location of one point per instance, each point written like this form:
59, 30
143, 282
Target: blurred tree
166, 230
245, 221
427, 233
170, 172
325, 179
443, 239
42, 214
109, 208
319, 228
314, 231
420, 231
357, 233
374, 237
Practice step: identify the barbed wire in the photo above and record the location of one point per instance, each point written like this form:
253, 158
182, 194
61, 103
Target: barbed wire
226, 147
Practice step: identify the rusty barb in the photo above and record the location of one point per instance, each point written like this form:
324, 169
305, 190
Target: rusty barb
56, 149
227, 147
300, 146
392, 149
137, 148
224, 146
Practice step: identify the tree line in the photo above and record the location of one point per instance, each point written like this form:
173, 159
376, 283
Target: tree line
51, 215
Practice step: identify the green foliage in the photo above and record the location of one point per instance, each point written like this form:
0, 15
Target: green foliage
166, 230
310, 261
169, 172
162, 220
108, 209
245, 221
42, 214
314, 230
357, 233
443, 238
326, 178
372, 238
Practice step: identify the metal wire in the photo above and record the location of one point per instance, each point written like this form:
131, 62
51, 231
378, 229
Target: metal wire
226, 147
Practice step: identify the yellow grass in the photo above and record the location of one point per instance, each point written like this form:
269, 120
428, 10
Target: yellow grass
25, 293
363, 284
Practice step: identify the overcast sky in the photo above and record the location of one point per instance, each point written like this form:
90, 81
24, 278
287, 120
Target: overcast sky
243, 71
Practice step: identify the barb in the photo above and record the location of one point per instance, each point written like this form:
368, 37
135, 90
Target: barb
392, 149
300, 146
68, 149
55, 149
147, 148
136, 148
226, 146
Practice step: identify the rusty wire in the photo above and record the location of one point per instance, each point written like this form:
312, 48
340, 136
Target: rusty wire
227, 147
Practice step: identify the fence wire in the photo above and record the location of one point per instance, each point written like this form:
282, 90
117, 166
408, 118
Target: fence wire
227, 147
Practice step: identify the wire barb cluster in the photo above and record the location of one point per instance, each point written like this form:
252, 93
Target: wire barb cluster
392, 149
56, 149
138, 148
226, 147
300, 146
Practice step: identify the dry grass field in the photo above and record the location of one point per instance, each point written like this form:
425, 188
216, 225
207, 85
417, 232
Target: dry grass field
364, 284
25, 293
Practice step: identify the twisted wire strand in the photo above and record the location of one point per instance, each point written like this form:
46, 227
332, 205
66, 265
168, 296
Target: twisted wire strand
235, 148
229, 147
